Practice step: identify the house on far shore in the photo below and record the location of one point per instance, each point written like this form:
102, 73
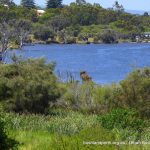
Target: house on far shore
5, 5
146, 35
40, 12
143, 37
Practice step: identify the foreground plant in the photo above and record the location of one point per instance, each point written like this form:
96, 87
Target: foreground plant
6, 143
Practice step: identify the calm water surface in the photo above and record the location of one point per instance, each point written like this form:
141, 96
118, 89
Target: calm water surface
105, 63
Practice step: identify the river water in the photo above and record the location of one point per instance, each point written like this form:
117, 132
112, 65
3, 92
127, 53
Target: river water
104, 63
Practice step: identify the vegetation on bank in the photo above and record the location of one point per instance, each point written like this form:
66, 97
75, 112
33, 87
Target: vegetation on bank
41, 112
79, 22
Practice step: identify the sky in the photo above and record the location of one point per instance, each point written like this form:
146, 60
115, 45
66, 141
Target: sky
128, 4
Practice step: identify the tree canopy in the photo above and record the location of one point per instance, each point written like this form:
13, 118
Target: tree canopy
54, 3
28, 3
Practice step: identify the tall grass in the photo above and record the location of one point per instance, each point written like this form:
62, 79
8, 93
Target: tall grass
64, 131
69, 123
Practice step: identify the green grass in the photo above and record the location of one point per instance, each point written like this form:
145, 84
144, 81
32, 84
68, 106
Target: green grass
62, 131
32, 140
40, 140
68, 122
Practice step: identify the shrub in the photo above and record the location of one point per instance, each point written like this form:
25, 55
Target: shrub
133, 92
91, 98
108, 36
79, 97
28, 86
42, 33
124, 120
6, 143
136, 91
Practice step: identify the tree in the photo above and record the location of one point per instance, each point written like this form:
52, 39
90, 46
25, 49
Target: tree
54, 4
136, 91
108, 36
30, 86
59, 22
80, 2
7, 2
28, 3
22, 28
117, 7
145, 14
7, 17
6, 32
42, 32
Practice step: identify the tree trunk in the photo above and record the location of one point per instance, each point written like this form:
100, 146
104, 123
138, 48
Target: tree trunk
3, 49
21, 42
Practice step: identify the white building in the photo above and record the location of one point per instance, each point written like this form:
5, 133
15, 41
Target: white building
40, 12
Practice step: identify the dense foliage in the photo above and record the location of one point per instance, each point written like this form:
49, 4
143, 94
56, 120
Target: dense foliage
68, 130
136, 91
133, 92
79, 22
31, 86
126, 121
7, 2
6, 143
28, 3
54, 4
28, 86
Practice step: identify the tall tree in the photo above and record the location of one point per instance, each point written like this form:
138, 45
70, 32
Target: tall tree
117, 7
59, 22
145, 14
80, 2
22, 30
6, 33
54, 3
28, 3
7, 2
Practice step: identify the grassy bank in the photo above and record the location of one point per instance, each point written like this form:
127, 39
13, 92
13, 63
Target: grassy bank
63, 132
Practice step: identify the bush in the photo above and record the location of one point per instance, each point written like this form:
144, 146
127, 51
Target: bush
42, 33
6, 143
133, 92
124, 120
136, 91
28, 86
91, 98
79, 97
108, 36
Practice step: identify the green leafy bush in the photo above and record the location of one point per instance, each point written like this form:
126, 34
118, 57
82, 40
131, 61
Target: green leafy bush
28, 86
124, 119
42, 32
91, 98
108, 36
136, 91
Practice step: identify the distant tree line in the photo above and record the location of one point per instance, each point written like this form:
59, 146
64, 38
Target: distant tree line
78, 22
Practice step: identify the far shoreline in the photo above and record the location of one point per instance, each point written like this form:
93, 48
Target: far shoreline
16, 47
